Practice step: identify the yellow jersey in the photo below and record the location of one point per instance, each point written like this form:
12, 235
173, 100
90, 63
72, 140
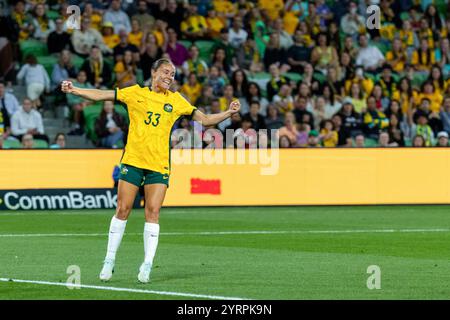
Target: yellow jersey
152, 116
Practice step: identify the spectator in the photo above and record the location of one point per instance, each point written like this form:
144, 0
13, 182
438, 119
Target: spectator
276, 81
97, 71
248, 57
254, 92
275, 54
63, 70
437, 78
86, 38
283, 99
383, 140
194, 64
298, 54
236, 34
404, 95
144, 19
23, 20
351, 119
177, 52
125, 70
8, 101
397, 57
239, 82
424, 130
443, 55
344, 140
136, 35
119, 18
192, 89
228, 96
27, 121
332, 106
323, 55
110, 127
423, 58
194, 26
370, 57
442, 139
313, 139
374, 120
418, 141
59, 39
387, 82
215, 80
172, 13
273, 119
214, 23
360, 141
35, 78
59, 142
328, 135
150, 52
289, 129
42, 25
255, 117
222, 42
219, 60
357, 98
352, 23
123, 46
444, 114
207, 97
77, 104
110, 38
285, 38
27, 141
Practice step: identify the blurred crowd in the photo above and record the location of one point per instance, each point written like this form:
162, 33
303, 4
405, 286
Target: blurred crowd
313, 70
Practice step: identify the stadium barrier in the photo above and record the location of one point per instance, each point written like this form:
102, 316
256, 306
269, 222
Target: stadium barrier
296, 176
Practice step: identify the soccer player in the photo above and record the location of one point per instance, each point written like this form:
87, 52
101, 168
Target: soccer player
146, 160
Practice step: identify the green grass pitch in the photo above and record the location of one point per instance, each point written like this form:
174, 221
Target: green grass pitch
243, 252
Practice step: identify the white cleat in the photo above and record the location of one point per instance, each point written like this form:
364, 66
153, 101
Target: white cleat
144, 272
108, 270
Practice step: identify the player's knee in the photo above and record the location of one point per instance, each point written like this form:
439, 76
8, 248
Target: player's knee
123, 210
152, 211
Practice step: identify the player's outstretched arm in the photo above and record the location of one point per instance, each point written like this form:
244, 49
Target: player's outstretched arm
91, 94
213, 119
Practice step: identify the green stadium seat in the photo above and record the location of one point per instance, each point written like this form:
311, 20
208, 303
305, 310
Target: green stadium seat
205, 48
32, 46
370, 143
404, 16
92, 112
418, 79
408, 142
47, 62
140, 77
40, 144
77, 61
52, 14
12, 144
294, 76
185, 43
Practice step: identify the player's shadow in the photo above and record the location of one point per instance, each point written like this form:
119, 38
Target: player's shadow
166, 275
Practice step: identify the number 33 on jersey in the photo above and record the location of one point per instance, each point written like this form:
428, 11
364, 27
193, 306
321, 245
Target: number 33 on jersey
152, 116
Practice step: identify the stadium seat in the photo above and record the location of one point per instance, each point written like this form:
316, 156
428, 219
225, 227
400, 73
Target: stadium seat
47, 62
294, 76
77, 61
140, 77
370, 143
35, 47
52, 14
40, 144
185, 43
205, 48
261, 78
12, 144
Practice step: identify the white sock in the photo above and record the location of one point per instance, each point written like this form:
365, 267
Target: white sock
151, 235
116, 230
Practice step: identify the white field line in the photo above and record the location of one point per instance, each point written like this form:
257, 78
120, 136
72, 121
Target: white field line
218, 233
164, 293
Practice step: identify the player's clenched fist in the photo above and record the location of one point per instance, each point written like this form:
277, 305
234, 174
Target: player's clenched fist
235, 106
67, 86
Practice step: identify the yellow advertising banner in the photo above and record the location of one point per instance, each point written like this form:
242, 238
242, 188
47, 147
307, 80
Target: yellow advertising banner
253, 177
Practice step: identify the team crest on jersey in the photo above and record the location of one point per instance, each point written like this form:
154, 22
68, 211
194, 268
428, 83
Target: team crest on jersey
168, 107
124, 170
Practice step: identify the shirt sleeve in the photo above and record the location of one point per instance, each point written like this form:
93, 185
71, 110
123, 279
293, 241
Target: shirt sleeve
125, 94
184, 108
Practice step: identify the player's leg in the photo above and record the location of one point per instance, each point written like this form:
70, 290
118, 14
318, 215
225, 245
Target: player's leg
126, 194
154, 197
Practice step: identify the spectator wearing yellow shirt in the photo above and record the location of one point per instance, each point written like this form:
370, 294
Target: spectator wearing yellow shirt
135, 36
215, 24
125, 70
397, 57
405, 95
428, 91
272, 7
436, 76
224, 8
228, 97
365, 83
109, 37
425, 32
408, 37
192, 89
194, 27
23, 19
423, 58
94, 16
357, 97
328, 135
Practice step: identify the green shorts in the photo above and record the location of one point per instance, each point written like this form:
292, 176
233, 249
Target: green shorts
140, 177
